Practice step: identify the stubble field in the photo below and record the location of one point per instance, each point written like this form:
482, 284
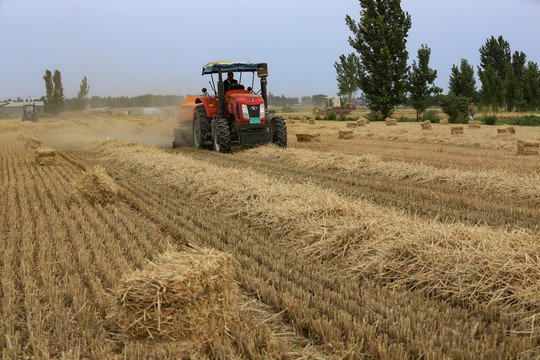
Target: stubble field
400, 243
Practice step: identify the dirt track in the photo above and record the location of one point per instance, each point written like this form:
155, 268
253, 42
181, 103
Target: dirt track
61, 257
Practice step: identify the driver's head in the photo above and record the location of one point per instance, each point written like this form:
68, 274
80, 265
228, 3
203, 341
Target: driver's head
230, 75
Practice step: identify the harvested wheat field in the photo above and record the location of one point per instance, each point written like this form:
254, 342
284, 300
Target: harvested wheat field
398, 243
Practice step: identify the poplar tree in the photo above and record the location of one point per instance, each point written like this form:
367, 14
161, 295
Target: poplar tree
380, 38
462, 80
347, 75
421, 81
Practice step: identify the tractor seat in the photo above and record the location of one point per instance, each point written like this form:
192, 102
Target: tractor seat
236, 87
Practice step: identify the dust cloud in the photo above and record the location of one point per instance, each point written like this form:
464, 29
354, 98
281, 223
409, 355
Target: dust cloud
74, 130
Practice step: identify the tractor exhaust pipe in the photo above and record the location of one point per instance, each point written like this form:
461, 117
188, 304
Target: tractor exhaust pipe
262, 73
221, 95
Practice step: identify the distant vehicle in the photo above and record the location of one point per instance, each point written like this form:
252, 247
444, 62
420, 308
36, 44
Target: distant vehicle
29, 113
238, 115
332, 104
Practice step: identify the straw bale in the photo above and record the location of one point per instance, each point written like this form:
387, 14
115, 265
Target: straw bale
527, 147
312, 121
361, 122
290, 121
443, 122
45, 156
426, 125
391, 122
33, 143
345, 134
308, 137
475, 124
187, 296
96, 186
506, 130
304, 121
351, 125
456, 130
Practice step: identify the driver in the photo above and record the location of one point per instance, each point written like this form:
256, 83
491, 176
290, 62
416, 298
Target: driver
229, 81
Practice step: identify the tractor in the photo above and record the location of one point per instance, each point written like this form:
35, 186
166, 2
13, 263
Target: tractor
29, 113
238, 115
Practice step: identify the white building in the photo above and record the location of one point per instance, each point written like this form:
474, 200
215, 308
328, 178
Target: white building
16, 108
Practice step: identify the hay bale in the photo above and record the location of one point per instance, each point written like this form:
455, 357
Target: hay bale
361, 122
33, 143
506, 130
351, 125
528, 147
290, 121
426, 125
475, 124
454, 130
443, 122
96, 186
308, 137
311, 121
345, 134
187, 296
391, 122
45, 156
304, 121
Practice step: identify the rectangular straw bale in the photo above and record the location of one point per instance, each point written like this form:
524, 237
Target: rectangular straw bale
443, 122
345, 134
528, 147
506, 130
184, 296
96, 186
351, 125
361, 122
456, 130
33, 143
312, 121
45, 156
475, 124
391, 122
426, 125
308, 137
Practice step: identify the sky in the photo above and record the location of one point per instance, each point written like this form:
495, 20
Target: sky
134, 47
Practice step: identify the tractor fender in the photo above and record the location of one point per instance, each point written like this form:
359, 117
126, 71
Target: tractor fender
186, 110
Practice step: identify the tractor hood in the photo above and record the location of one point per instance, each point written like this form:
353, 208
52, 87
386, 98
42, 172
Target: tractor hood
248, 99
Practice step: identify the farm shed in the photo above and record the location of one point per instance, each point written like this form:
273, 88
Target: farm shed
16, 108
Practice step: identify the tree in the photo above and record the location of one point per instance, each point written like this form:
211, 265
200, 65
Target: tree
82, 96
531, 86
58, 92
455, 106
421, 81
462, 80
380, 38
490, 87
495, 54
49, 90
347, 75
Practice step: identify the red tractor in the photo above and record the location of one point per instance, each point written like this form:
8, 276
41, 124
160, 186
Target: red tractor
237, 115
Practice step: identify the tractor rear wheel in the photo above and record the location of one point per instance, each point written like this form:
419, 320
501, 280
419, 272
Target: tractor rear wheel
279, 132
201, 128
221, 135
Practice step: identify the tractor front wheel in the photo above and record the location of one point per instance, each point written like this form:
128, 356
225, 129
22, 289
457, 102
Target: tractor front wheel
279, 132
221, 135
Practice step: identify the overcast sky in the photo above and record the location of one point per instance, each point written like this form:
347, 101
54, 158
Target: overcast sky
133, 47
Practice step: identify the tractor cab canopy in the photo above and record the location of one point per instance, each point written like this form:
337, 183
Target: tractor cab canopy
216, 67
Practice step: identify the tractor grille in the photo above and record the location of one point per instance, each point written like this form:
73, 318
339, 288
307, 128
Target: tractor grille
253, 111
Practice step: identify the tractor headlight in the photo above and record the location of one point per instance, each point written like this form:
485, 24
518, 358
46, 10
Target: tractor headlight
262, 114
245, 113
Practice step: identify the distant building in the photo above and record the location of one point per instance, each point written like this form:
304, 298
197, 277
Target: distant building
16, 108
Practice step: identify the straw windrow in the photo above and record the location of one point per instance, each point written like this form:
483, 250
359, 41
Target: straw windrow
458, 262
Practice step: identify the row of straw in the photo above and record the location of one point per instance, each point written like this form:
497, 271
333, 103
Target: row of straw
498, 181
454, 261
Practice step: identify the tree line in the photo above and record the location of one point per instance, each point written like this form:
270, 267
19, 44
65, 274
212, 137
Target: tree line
379, 69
